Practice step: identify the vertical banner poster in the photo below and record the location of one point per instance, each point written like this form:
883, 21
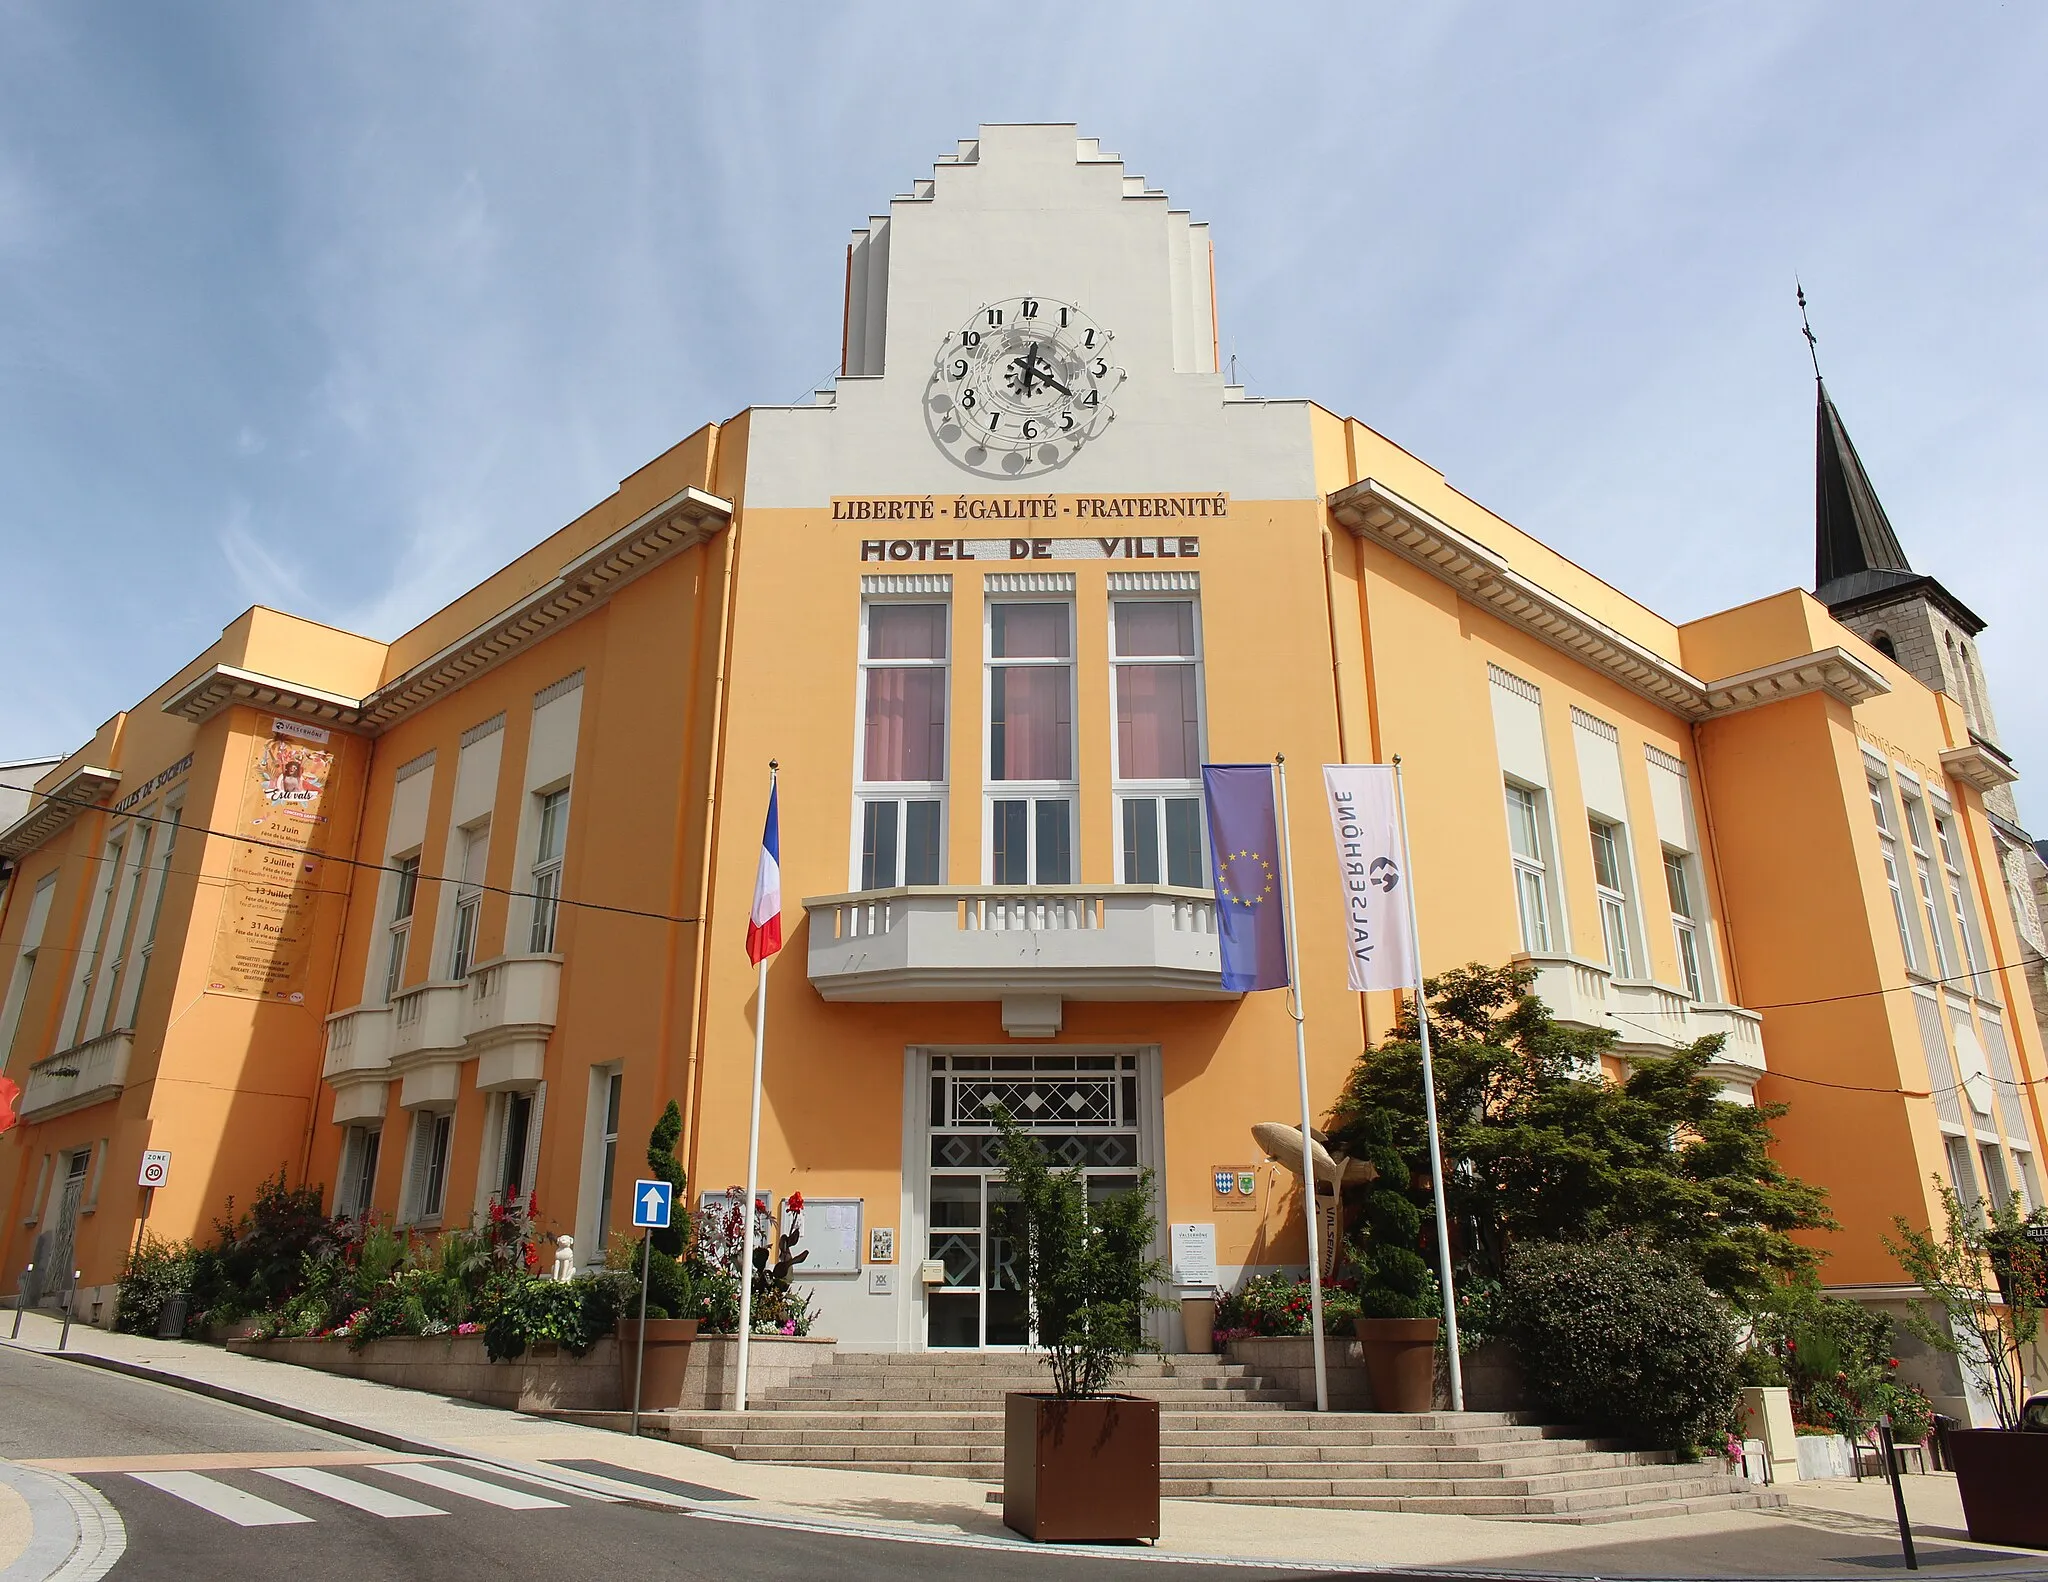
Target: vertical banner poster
263, 945
1365, 818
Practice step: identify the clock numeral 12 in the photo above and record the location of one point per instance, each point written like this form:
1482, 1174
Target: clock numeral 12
1029, 310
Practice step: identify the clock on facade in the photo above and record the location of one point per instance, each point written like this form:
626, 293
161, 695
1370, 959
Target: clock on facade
1021, 387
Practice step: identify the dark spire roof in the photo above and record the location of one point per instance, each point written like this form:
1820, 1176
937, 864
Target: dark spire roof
1858, 563
1855, 550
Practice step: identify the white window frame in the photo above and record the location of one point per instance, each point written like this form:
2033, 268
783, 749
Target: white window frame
1032, 793
1888, 852
1931, 904
1617, 933
1530, 876
99, 918
171, 818
405, 899
22, 980
1969, 942
355, 1183
122, 942
428, 1150
545, 882
896, 796
1685, 928
1962, 1172
1159, 793
1997, 1180
603, 1115
469, 898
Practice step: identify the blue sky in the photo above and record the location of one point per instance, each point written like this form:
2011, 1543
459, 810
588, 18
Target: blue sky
337, 307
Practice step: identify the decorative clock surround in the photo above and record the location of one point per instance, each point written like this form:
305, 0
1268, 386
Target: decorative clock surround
1020, 387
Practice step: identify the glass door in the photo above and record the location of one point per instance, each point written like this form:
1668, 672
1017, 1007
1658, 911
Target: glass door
953, 1310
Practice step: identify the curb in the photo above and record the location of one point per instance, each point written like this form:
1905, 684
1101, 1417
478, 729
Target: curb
75, 1534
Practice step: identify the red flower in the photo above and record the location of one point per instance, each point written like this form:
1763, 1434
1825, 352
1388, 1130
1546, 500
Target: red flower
795, 1201
1893, 1363
532, 1256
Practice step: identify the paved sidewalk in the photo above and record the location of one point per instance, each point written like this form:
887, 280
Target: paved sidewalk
1830, 1529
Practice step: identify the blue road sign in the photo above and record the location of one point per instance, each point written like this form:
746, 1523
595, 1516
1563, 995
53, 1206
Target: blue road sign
650, 1205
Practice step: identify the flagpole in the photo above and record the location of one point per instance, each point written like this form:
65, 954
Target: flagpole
1436, 1149
1308, 1161
753, 1163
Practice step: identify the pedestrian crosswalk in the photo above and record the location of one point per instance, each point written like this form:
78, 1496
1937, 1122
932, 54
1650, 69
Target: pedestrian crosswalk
363, 1490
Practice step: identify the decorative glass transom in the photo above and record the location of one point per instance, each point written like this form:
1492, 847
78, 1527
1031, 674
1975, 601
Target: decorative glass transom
1041, 1092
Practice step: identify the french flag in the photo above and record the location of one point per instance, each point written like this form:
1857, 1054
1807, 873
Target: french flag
764, 926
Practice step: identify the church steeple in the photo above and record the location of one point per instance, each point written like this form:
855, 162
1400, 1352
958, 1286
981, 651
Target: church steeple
1856, 553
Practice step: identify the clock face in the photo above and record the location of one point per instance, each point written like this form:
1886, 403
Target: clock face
1021, 387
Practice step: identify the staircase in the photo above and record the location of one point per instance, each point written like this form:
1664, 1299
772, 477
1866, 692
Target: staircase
1224, 1435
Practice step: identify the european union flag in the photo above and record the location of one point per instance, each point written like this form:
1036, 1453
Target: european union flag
1244, 858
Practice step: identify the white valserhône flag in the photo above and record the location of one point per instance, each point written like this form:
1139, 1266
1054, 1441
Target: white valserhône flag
1365, 818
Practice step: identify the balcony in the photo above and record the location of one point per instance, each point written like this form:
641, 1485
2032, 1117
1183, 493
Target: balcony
76, 1078
426, 1044
1651, 1018
1032, 949
358, 1062
508, 1017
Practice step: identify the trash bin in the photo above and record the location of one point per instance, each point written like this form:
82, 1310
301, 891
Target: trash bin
170, 1322
1939, 1442
1198, 1322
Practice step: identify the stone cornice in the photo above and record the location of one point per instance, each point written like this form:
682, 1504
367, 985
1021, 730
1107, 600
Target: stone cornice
1370, 510
678, 523
228, 684
1834, 671
84, 789
1977, 764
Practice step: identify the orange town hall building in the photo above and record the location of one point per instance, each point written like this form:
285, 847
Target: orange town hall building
427, 919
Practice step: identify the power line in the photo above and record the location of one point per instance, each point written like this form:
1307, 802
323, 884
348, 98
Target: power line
374, 867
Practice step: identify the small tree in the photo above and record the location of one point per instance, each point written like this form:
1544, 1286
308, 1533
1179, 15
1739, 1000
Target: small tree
1547, 1148
1088, 1268
663, 1165
1987, 1330
1393, 1279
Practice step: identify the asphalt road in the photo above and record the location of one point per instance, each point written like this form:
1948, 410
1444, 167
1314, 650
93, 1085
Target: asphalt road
188, 1519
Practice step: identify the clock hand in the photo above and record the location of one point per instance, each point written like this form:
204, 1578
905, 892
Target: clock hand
1029, 369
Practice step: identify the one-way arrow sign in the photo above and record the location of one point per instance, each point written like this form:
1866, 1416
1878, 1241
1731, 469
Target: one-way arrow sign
651, 1204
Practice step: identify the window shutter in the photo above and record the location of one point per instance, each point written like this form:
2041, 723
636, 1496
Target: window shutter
420, 1164
530, 1165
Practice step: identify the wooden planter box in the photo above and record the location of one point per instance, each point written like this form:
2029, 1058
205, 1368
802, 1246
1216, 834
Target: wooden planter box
2003, 1478
664, 1369
1081, 1471
1400, 1359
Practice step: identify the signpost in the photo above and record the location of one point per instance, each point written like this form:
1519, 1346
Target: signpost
156, 1170
651, 1205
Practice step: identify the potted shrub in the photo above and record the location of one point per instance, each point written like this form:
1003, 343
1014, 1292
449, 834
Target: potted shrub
1986, 1276
1079, 1462
670, 1309
1398, 1295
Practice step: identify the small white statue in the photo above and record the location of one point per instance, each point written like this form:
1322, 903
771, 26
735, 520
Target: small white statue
565, 1259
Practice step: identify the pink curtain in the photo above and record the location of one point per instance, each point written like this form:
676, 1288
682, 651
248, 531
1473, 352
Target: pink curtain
1155, 626
1033, 734
907, 631
1158, 736
1028, 631
906, 724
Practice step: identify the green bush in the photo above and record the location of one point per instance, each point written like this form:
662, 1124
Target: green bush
1622, 1337
575, 1315
154, 1272
257, 1259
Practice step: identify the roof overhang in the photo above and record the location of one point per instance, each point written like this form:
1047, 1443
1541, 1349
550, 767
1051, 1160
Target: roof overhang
1834, 671
84, 789
1979, 764
223, 685
1370, 510
678, 523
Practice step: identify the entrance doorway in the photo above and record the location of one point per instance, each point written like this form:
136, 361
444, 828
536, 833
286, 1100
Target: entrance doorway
1083, 1108
64, 1243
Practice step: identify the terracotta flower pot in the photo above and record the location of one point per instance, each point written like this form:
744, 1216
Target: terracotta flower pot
1081, 1471
668, 1356
1400, 1359
2002, 1476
